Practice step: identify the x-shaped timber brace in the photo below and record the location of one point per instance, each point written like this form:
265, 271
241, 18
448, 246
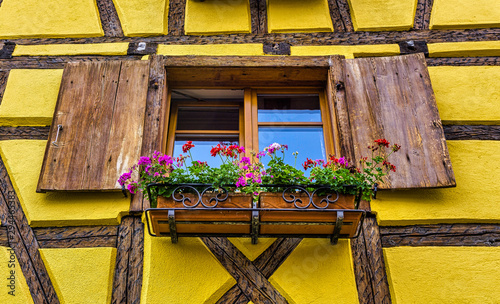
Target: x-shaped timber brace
332, 223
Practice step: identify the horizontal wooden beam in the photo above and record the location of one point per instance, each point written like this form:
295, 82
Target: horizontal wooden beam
463, 61
466, 132
323, 38
77, 237
55, 62
441, 235
7, 133
247, 61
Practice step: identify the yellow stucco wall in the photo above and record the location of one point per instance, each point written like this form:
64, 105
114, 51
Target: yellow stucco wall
464, 49
467, 94
81, 275
475, 199
30, 97
317, 272
249, 49
143, 18
295, 16
23, 159
13, 287
217, 17
50, 18
455, 14
252, 251
119, 48
181, 273
382, 15
435, 275
349, 51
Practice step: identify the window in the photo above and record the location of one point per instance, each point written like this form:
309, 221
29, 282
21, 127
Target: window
298, 118
110, 113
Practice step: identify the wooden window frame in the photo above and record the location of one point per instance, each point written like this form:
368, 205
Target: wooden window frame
248, 117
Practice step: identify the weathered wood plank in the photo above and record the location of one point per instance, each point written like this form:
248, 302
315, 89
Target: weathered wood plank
253, 284
244, 77
423, 14
50, 233
176, 17
464, 132
157, 110
87, 242
7, 133
109, 18
4, 75
247, 61
320, 38
463, 61
441, 235
101, 108
56, 62
23, 241
135, 263
254, 16
337, 104
387, 97
125, 233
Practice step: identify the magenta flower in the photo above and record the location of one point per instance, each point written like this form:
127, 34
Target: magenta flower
165, 160
144, 160
132, 188
124, 177
245, 160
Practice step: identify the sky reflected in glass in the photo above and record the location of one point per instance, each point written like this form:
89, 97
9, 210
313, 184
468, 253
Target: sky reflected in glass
201, 151
308, 141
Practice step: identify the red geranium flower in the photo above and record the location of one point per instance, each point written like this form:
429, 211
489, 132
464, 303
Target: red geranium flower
382, 142
187, 146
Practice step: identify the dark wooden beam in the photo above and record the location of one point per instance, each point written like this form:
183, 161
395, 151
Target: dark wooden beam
262, 29
423, 14
6, 49
463, 61
338, 22
250, 280
267, 263
109, 18
55, 62
77, 237
22, 240
464, 132
7, 133
254, 16
176, 17
136, 263
345, 14
3, 83
441, 235
322, 38
4, 237
119, 293
369, 266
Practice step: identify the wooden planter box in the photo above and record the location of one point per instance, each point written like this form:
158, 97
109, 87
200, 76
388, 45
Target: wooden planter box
313, 221
202, 220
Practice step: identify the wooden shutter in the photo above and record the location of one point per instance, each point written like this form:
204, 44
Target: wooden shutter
392, 98
101, 108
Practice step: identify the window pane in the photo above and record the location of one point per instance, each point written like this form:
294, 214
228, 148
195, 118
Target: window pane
308, 141
208, 118
201, 150
289, 108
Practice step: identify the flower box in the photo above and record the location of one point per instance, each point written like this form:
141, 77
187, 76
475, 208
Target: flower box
293, 214
202, 220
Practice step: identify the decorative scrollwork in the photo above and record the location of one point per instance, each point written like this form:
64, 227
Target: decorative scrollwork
290, 196
180, 190
219, 197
